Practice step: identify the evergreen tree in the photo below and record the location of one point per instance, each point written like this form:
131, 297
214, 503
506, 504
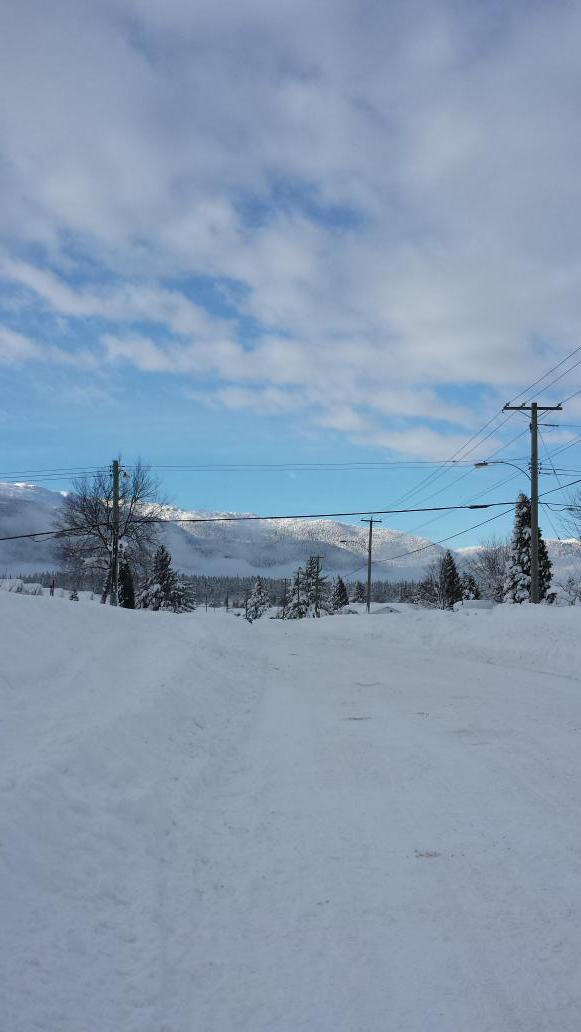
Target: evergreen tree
517, 586
441, 587
165, 589
470, 589
427, 594
74, 595
126, 586
339, 596
451, 589
258, 602
359, 592
315, 587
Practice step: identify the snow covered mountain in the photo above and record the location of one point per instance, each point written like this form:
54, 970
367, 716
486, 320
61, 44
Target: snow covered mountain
273, 548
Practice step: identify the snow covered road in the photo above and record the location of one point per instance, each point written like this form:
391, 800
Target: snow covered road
353, 824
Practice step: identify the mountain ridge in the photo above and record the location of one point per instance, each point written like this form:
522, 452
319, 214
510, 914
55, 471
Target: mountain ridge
245, 547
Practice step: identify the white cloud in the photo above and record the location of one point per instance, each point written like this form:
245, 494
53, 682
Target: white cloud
393, 188
18, 349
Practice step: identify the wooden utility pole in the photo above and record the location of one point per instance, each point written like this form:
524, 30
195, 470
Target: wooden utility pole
534, 408
371, 521
115, 542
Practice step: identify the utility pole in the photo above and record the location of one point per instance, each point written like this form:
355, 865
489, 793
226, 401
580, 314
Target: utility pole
371, 521
115, 542
534, 408
317, 559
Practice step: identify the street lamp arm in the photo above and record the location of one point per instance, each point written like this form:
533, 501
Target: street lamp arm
485, 462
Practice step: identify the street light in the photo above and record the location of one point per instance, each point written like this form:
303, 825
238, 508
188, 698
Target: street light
499, 462
534, 593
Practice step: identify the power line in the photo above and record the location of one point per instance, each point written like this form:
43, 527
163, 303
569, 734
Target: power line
428, 523
547, 510
559, 377
562, 488
437, 474
558, 365
354, 466
423, 548
565, 447
574, 395
66, 531
550, 458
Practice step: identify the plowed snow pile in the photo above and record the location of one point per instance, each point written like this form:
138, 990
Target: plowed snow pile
347, 825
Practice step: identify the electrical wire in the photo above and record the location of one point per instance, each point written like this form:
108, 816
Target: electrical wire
71, 531
546, 508
436, 475
431, 544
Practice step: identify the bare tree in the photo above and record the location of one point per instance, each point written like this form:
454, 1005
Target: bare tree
571, 517
571, 590
488, 565
86, 522
430, 591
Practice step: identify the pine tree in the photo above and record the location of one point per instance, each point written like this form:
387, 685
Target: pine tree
165, 589
359, 592
315, 587
126, 586
258, 602
470, 589
517, 586
339, 596
450, 580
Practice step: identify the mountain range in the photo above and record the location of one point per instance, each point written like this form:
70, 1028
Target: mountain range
272, 548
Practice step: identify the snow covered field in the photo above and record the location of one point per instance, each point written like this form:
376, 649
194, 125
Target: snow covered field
355, 824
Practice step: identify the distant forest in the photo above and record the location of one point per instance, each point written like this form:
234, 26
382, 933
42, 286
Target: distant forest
232, 591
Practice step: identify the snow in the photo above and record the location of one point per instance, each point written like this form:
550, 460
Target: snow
329, 825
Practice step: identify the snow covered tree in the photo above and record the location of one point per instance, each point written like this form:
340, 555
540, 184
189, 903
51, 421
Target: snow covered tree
298, 603
339, 596
74, 595
427, 594
315, 586
517, 585
470, 589
164, 588
258, 602
571, 590
359, 592
126, 586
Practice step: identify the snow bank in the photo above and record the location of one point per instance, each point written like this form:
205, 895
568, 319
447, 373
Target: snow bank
540, 638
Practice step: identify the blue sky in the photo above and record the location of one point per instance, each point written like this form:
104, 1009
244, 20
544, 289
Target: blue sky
286, 233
